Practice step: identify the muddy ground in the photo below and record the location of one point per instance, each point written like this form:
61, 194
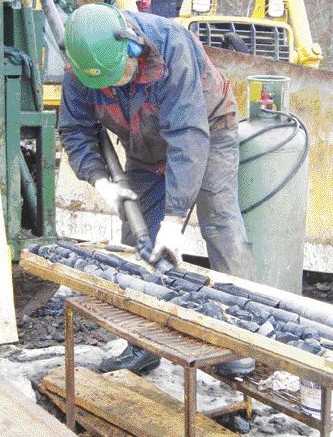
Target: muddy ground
41, 340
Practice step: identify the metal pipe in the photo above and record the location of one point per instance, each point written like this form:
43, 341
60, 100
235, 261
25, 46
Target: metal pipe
29, 190
132, 210
227, 409
133, 213
55, 24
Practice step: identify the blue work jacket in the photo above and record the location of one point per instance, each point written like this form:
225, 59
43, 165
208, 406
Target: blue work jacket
165, 118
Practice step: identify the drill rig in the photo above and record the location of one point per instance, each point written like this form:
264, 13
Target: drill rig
27, 156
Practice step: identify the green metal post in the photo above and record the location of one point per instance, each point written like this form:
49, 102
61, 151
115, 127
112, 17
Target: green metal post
46, 178
3, 168
13, 100
30, 36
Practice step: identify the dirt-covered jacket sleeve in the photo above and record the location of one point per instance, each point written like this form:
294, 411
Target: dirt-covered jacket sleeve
183, 121
78, 128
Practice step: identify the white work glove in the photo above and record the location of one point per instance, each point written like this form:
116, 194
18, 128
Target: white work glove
169, 240
113, 194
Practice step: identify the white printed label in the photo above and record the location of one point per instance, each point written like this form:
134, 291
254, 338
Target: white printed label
311, 398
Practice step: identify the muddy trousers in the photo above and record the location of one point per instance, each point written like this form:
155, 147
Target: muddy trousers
217, 206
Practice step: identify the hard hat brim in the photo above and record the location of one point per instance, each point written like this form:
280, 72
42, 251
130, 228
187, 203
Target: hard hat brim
102, 81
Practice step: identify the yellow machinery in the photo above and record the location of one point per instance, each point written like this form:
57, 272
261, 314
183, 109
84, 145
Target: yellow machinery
306, 52
279, 33
277, 29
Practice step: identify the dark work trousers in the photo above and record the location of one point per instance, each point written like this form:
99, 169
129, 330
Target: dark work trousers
218, 211
165, 8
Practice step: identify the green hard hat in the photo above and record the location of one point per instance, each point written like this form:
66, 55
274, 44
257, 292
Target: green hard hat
97, 57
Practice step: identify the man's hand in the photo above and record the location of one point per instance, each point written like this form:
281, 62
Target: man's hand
113, 194
169, 240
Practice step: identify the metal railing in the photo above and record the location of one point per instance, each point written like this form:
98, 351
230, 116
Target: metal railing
267, 41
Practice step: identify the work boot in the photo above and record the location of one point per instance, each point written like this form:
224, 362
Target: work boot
241, 367
133, 358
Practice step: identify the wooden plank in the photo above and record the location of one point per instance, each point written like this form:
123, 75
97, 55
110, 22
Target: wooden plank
217, 332
136, 407
93, 424
21, 417
8, 329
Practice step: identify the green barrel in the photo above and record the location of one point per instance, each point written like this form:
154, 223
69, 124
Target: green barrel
273, 183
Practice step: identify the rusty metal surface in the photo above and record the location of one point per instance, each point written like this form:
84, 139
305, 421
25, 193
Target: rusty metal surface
326, 411
168, 343
228, 409
127, 325
311, 99
190, 399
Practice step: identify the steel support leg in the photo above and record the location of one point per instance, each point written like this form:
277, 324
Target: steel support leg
69, 366
190, 400
326, 408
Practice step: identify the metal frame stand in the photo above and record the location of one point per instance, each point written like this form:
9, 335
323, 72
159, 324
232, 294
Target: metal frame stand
186, 351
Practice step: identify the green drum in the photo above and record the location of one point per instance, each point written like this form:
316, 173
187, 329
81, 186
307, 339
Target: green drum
273, 183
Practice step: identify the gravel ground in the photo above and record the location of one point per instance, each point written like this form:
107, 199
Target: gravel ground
40, 347
45, 328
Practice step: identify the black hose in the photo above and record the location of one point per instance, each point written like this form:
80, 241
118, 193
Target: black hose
274, 148
297, 123
262, 131
187, 218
